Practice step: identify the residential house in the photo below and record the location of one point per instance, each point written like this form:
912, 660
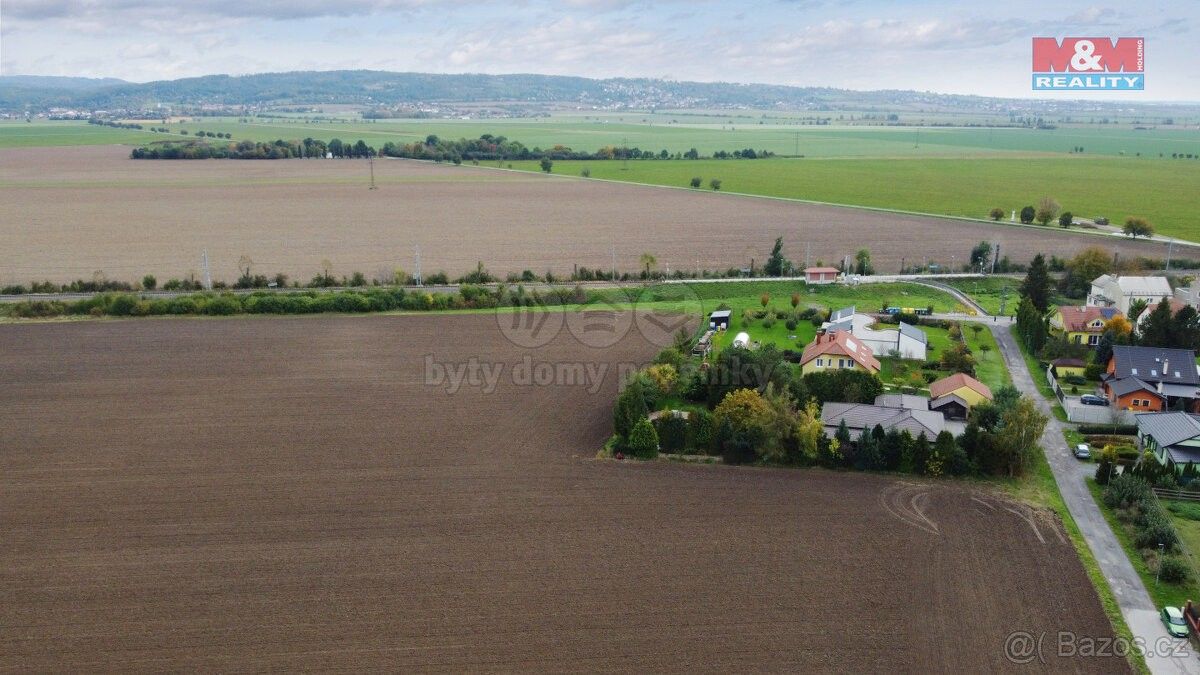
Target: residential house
1175, 304
967, 388
1082, 325
820, 275
1152, 379
1116, 291
1173, 438
864, 417
837, 350
905, 341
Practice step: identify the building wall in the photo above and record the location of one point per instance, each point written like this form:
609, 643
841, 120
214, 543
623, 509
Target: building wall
830, 362
1139, 401
972, 397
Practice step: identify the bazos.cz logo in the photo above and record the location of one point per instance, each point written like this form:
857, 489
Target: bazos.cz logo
1090, 63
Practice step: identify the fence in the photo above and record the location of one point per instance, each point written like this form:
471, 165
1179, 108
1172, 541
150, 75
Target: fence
1087, 414
1183, 495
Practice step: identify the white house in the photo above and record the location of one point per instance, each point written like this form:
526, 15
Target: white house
1114, 291
908, 341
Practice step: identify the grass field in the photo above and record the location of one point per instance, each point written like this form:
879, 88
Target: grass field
1161, 592
1159, 190
944, 173
673, 132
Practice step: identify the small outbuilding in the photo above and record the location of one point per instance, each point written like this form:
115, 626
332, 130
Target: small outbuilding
719, 320
820, 275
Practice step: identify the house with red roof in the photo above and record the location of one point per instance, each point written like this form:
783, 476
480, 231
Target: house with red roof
838, 350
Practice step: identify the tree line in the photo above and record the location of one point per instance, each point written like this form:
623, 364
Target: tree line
485, 148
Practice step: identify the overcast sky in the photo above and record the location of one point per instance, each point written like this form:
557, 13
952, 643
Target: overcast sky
954, 47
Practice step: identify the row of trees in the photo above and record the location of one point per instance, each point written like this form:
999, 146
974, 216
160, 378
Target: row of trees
1049, 210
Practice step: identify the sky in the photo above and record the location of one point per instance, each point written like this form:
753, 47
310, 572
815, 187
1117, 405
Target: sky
947, 47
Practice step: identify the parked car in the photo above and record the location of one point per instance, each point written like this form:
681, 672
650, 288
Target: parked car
1082, 451
1092, 399
1101, 220
1172, 618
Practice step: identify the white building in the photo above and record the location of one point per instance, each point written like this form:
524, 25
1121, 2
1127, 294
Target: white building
909, 342
1119, 292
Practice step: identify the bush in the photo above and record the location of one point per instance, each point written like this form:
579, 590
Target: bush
224, 305
643, 440
672, 433
1114, 429
39, 309
1075, 379
1173, 570
1157, 531
790, 324
1124, 491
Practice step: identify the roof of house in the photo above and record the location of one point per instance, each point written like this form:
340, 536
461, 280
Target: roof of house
946, 385
948, 399
820, 270
1128, 385
1146, 363
1168, 428
1068, 363
843, 313
1136, 285
1077, 319
866, 416
720, 314
909, 330
840, 343
1158, 286
908, 401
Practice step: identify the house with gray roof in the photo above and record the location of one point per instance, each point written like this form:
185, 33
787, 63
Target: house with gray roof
1117, 291
1173, 438
860, 417
906, 341
1152, 379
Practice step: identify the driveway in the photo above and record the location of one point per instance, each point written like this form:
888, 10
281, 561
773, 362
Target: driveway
1163, 654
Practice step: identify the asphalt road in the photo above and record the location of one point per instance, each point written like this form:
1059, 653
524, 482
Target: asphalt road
1164, 654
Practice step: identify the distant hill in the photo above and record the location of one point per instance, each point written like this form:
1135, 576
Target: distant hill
368, 87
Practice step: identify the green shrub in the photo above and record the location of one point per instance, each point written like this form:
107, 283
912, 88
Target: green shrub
39, 309
224, 305
1173, 570
1124, 491
672, 433
700, 430
768, 322
1117, 429
790, 324
1156, 532
643, 440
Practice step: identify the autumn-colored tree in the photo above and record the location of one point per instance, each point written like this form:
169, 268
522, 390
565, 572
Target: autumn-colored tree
664, 376
764, 299
744, 409
1119, 325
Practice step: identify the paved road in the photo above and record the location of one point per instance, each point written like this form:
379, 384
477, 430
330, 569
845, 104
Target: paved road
1139, 611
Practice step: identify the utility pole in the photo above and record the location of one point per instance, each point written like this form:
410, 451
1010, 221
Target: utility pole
807, 251
1170, 248
624, 154
614, 262
995, 257
207, 274
1003, 298
371, 163
417, 276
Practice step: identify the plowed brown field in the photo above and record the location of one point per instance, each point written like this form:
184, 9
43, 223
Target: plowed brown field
66, 213
291, 494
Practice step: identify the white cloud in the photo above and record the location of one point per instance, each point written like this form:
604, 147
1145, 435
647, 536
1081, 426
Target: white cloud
146, 50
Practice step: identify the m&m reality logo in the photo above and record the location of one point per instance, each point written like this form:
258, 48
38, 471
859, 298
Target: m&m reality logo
1088, 63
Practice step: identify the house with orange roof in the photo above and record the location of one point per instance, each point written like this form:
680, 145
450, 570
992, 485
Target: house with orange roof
837, 350
1082, 325
954, 395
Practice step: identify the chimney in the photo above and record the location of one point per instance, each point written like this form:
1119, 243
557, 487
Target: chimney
1166, 368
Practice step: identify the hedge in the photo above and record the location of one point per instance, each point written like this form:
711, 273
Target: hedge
1108, 429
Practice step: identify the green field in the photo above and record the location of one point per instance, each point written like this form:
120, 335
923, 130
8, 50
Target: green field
781, 134
1160, 190
955, 171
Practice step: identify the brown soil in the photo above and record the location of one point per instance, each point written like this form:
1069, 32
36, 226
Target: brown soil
66, 213
249, 494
